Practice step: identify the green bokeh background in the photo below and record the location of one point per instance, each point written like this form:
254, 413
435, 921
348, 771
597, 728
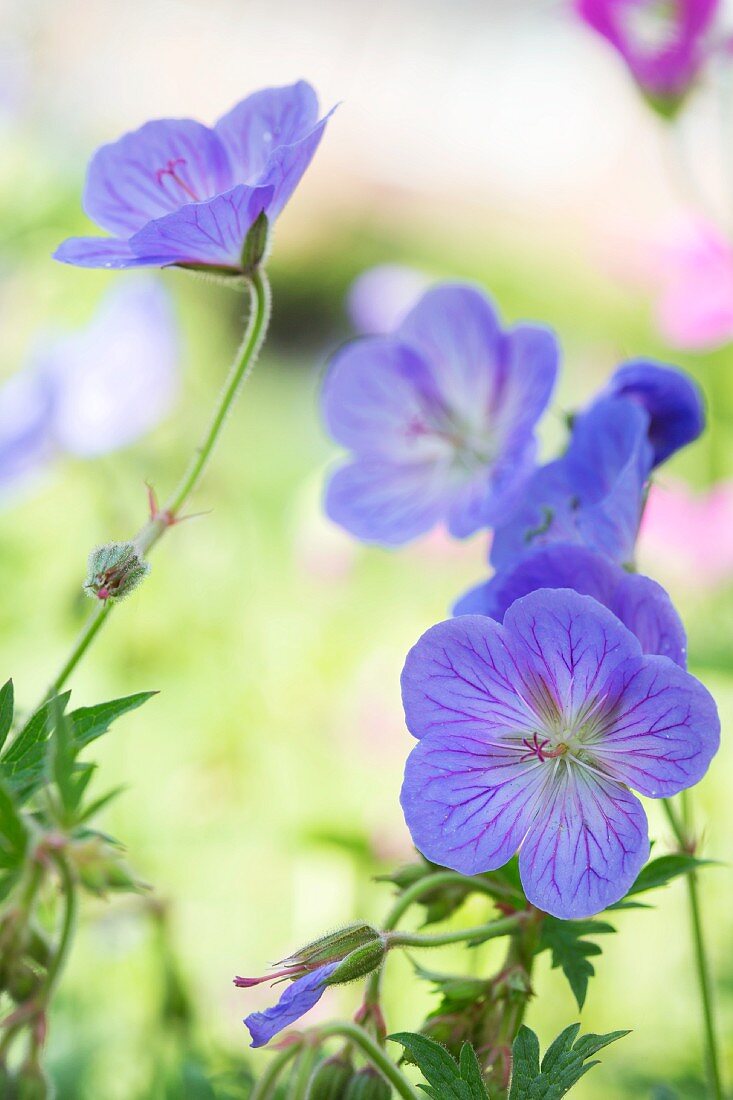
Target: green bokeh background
262, 783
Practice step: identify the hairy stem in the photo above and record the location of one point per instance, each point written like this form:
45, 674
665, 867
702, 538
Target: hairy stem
502, 927
303, 1073
158, 524
265, 1087
373, 1053
682, 831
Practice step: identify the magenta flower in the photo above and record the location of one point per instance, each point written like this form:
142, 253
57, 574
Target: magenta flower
694, 272
177, 192
703, 558
532, 735
440, 418
663, 44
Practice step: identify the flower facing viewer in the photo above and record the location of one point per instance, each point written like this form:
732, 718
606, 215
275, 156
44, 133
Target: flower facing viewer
178, 192
532, 735
439, 418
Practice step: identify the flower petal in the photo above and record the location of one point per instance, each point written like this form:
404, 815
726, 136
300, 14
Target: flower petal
645, 608
662, 728
107, 252
210, 233
468, 804
671, 399
297, 999
586, 846
530, 363
459, 676
378, 501
565, 647
263, 122
162, 166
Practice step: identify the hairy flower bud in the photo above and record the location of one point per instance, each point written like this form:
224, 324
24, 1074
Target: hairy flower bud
331, 1078
367, 1084
114, 570
358, 963
336, 945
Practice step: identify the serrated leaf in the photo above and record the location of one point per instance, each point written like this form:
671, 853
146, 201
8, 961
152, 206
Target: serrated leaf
7, 705
658, 872
23, 764
436, 1065
564, 1063
89, 723
471, 1073
566, 940
13, 831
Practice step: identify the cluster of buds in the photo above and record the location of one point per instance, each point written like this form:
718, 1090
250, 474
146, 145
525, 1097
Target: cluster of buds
114, 571
100, 866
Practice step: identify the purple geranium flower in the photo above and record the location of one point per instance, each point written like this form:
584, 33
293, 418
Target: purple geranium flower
178, 192
593, 495
440, 417
297, 999
94, 390
532, 734
671, 399
664, 44
639, 602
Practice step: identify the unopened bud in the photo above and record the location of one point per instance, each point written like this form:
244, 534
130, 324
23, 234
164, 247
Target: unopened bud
367, 1084
22, 980
359, 963
114, 571
331, 1078
101, 868
336, 945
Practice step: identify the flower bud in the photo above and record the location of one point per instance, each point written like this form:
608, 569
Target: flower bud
22, 980
367, 1084
359, 963
331, 1078
114, 570
336, 945
101, 868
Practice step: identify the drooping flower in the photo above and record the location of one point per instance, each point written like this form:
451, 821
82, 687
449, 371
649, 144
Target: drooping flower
380, 298
640, 603
439, 418
665, 43
672, 400
532, 735
94, 390
297, 999
178, 192
593, 495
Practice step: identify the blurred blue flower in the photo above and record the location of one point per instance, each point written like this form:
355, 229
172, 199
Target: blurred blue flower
640, 603
531, 734
440, 418
297, 999
663, 44
671, 399
92, 391
380, 298
593, 495
178, 192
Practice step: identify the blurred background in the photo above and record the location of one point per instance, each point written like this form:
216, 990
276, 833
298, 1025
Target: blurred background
499, 142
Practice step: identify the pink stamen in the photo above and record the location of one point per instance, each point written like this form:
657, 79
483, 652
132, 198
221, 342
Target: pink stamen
537, 748
170, 170
248, 983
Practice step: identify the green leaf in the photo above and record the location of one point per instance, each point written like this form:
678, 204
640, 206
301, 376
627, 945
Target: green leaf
658, 872
89, 723
6, 710
447, 1080
564, 1063
23, 763
13, 831
571, 950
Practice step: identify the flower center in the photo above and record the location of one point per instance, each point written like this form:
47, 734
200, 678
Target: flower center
171, 172
542, 748
651, 24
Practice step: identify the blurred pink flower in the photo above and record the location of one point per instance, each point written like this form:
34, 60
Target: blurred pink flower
694, 272
689, 535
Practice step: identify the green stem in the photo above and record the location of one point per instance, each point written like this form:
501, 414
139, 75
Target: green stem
373, 1053
433, 882
266, 1085
303, 1073
69, 891
482, 932
705, 985
157, 525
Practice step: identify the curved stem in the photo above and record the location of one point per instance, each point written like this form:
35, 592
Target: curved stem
303, 1073
373, 1053
685, 841
503, 927
56, 966
158, 524
433, 882
266, 1084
